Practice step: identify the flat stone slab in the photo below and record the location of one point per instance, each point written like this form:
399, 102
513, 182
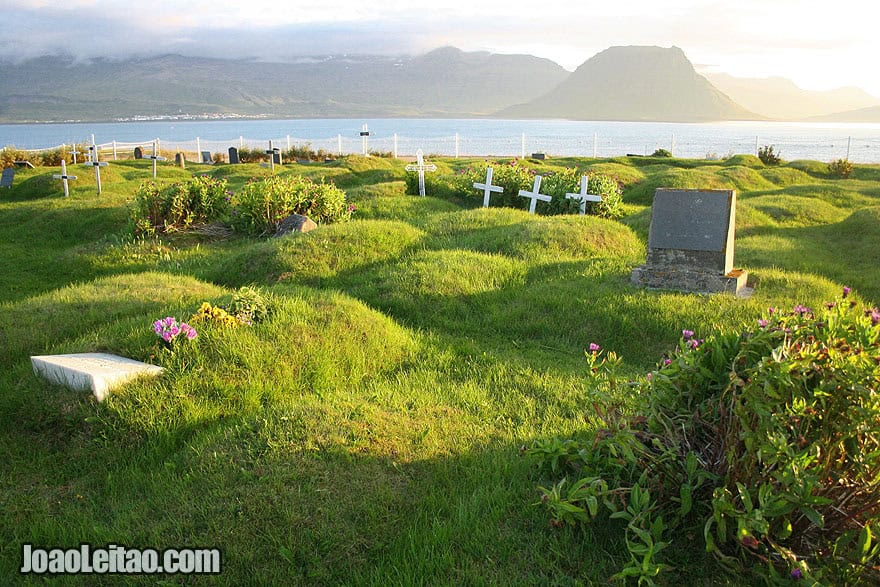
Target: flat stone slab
98, 372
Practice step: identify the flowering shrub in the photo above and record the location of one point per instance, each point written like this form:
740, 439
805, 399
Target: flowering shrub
841, 168
263, 203
512, 176
180, 205
216, 315
168, 330
765, 443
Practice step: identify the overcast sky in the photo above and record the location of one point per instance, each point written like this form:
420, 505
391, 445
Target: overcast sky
817, 44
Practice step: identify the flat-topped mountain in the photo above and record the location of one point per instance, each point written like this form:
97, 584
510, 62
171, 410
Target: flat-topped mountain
634, 83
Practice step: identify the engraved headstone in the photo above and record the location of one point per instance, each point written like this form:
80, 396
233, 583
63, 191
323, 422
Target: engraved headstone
98, 372
206, 158
535, 195
421, 167
233, 156
691, 243
138, 153
7, 177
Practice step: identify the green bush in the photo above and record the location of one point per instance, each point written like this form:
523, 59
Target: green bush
178, 206
841, 168
262, 204
661, 153
765, 443
768, 157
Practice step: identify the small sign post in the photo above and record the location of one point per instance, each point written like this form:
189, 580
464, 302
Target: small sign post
583, 196
64, 177
155, 157
421, 167
487, 187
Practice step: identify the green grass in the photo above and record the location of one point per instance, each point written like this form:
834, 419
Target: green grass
369, 431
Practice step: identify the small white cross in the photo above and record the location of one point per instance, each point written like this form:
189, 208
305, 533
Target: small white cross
155, 158
421, 167
64, 177
583, 196
93, 162
535, 195
487, 187
75, 153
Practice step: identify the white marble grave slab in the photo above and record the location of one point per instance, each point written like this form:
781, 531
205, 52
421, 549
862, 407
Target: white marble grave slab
98, 372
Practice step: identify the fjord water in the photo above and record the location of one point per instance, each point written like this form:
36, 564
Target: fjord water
795, 140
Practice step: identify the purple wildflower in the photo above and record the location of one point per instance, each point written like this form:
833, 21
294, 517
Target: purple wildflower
763, 323
801, 310
830, 305
796, 574
687, 334
188, 331
594, 348
874, 314
846, 290
667, 362
694, 343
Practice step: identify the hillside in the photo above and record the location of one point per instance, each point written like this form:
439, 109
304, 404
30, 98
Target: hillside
634, 83
444, 82
777, 97
870, 114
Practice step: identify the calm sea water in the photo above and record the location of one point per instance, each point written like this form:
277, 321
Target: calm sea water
820, 141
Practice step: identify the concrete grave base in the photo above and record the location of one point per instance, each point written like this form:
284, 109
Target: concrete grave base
98, 372
678, 279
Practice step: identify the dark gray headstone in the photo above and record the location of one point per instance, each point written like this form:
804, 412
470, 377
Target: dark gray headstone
233, 156
276, 155
691, 242
7, 177
206, 157
138, 153
539, 156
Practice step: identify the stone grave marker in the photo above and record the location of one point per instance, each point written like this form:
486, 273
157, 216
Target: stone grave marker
138, 153
535, 195
180, 160
583, 196
26, 164
7, 178
206, 158
96, 164
98, 372
64, 177
421, 167
155, 157
233, 156
487, 187
691, 243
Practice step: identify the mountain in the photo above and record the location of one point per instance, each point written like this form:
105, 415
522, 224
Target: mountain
443, 83
777, 97
870, 114
634, 83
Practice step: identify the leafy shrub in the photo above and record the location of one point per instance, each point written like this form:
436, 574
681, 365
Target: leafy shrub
764, 443
768, 156
262, 204
178, 206
10, 155
841, 168
513, 177
662, 153
250, 304
305, 152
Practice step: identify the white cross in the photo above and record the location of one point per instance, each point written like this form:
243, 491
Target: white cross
365, 132
155, 158
487, 187
421, 167
583, 196
75, 153
64, 177
535, 195
93, 162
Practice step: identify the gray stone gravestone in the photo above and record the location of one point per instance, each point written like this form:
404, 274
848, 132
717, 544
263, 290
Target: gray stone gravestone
233, 156
138, 153
7, 178
206, 157
180, 160
691, 242
95, 372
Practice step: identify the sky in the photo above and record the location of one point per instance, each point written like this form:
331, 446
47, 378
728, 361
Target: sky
817, 44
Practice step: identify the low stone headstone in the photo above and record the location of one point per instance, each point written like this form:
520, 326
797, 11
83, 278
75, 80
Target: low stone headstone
27, 164
180, 160
487, 187
295, 223
138, 153
233, 156
539, 156
7, 177
535, 194
98, 372
206, 158
421, 167
691, 243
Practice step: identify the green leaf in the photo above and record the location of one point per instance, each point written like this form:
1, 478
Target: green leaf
864, 544
814, 516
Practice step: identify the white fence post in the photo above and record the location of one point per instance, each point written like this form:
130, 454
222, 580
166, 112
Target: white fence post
456, 145
523, 147
395, 145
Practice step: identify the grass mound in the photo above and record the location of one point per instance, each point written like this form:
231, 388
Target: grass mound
746, 179
403, 208
797, 210
519, 234
786, 176
319, 254
744, 161
702, 178
625, 175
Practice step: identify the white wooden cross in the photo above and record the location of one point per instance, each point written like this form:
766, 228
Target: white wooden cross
583, 196
74, 153
421, 167
535, 194
155, 157
365, 132
487, 187
64, 177
93, 162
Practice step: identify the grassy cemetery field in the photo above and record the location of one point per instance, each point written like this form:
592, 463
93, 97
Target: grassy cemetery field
368, 426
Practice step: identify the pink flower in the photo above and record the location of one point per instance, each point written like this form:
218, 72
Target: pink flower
667, 362
594, 348
763, 323
846, 291
687, 334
